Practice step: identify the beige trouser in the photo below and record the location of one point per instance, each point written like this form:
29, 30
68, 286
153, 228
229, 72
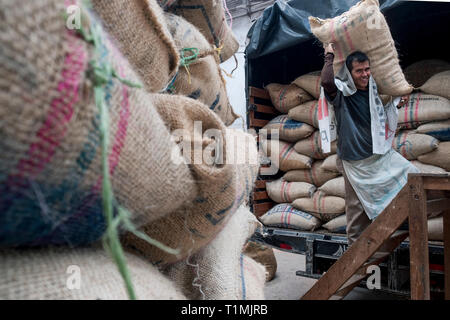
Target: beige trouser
357, 219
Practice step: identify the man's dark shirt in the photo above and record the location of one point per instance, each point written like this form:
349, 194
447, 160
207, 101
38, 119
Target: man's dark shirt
352, 117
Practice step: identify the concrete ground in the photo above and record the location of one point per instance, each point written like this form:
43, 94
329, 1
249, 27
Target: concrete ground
288, 286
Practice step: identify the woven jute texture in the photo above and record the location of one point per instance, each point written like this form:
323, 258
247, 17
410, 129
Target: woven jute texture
312, 146
419, 72
287, 96
222, 187
50, 169
264, 255
217, 272
288, 129
334, 187
329, 163
411, 145
364, 28
78, 274
427, 168
138, 26
321, 206
284, 215
306, 112
209, 17
316, 175
309, 82
202, 78
439, 157
283, 155
438, 85
282, 191
422, 108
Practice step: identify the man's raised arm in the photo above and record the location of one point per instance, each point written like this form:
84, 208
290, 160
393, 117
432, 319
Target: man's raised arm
327, 75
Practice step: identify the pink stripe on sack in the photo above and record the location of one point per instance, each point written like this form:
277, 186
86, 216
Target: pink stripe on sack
312, 113
347, 35
289, 185
58, 116
333, 40
416, 111
317, 85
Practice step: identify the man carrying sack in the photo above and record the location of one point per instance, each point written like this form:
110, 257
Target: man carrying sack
374, 173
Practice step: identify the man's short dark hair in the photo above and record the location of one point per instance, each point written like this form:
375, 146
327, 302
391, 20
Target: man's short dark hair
355, 56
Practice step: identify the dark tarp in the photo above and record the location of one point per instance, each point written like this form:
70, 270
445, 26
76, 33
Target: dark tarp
282, 47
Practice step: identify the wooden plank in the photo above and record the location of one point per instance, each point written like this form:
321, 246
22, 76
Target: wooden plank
394, 241
260, 184
348, 286
260, 208
259, 93
418, 240
437, 205
256, 122
260, 195
438, 182
266, 109
447, 253
362, 249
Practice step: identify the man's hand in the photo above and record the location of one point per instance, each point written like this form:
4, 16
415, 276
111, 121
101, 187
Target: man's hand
329, 48
403, 101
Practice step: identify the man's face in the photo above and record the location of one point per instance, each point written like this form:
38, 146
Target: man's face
361, 74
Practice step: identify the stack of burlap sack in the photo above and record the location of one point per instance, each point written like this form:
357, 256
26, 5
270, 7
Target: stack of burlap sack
311, 193
164, 141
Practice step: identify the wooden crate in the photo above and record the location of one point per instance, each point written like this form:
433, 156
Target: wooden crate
260, 111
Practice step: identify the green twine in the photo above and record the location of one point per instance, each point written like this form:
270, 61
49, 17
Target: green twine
187, 60
101, 73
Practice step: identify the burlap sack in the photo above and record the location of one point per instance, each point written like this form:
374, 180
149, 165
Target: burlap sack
436, 228
51, 164
321, 206
427, 168
310, 82
419, 72
312, 146
139, 28
288, 129
306, 112
217, 272
166, 4
362, 26
209, 17
438, 85
422, 108
254, 275
283, 155
329, 163
334, 187
202, 79
438, 129
282, 191
285, 215
316, 175
78, 274
337, 225
223, 177
439, 157
286, 96
264, 255
411, 145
